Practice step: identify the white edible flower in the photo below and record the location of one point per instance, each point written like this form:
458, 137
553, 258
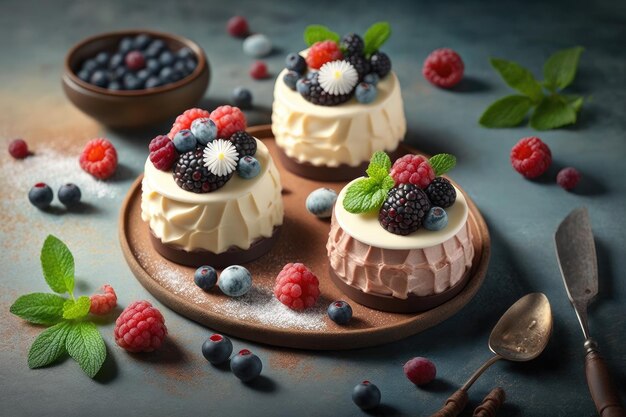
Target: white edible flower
220, 157
338, 77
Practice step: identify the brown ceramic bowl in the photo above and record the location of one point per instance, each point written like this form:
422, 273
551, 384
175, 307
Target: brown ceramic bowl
133, 108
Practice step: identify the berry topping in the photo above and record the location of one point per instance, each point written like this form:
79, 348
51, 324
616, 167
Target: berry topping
184, 141
323, 52
366, 93
291, 79
338, 77
184, 120
257, 45
205, 277
135, 61
352, 44
244, 143
443, 68
18, 149
140, 328
217, 349
404, 209
220, 157
242, 98
191, 175
371, 78
40, 195
531, 157
320, 202
258, 70
295, 62
162, 153
204, 129
104, 303
366, 395
69, 195
246, 365
381, 64
340, 312
228, 120
436, 219
420, 371
235, 281
297, 287
99, 158
412, 169
248, 167
441, 193
568, 178
237, 26
361, 65
312, 91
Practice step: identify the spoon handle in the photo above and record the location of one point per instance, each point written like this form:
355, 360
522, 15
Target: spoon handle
454, 405
491, 403
601, 385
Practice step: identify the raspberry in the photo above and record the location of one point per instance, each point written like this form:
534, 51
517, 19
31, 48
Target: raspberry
135, 61
404, 209
443, 68
441, 193
568, 178
258, 70
531, 157
99, 158
184, 120
237, 26
140, 328
297, 287
323, 52
190, 174
420, 371
103, 303
412, 169
228, 120
18, 149
244, 143
162, 153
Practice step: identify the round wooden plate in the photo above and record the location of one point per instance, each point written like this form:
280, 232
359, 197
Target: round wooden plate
257, 316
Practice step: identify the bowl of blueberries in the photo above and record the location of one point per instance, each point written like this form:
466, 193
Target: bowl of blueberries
135, 78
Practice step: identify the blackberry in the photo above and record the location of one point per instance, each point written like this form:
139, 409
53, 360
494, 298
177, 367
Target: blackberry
352, 44
316, 95
244, 143
191, 175
404, 209
441, 193
360, 64
381, 64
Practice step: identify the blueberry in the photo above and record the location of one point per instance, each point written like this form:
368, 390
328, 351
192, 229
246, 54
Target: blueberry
366, 395
205, 277
143, 75
257, 45
126, 44
166, 58
303, 86
119, 73
217, 349
117, 60
153, 82
204, 129
90, 65
141, 41
191, 64
436, 219
242, 97
115, 86
84, 75
321, 202
366, 93
179, 66
166, 75
371, 78
295, 62
157, 45
131, 82
248, 167
69, 194
185, 141
340, 312
185, 53
153, 66
246, 365
152, 53
100, 79
40, 195
291, 79
176, 75
102, 59
235, 281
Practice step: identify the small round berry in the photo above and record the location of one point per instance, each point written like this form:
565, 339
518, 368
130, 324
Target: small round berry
340, 312
246, 366
40, 195
69, 195
568, 178
104, 303
102, 58
420, 371
436, 219
228, 120
237, 26
242, 98
412, 169
126, 44
131, 82
320, 202
100, 79
140, 328
258, 70
404, 209
205, 277
184, 53
245, 143
99, 158
217, 349
84, 75
162, 153
297, 287
90, 66
366, 395
151, 82
352, 44
115, 86
365, 93
323, 52
295, 62
257, 46
167, 59
204, 129
381, 64
141, 41
235, 281
184, 120
531, 157
18, 149
248, 167
303, 86
153, 66
291, 79
443, 68
185, 141
135, 60
441, 193
371, 78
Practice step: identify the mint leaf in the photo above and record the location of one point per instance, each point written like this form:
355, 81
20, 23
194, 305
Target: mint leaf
364, 195
506, 112
85, 345
442, 163
375, 37
575, 101
518, 77
553, 111
318, 33
73, 309
381, 159
57, 263
49, 345
39, 308
560, 69
387, 183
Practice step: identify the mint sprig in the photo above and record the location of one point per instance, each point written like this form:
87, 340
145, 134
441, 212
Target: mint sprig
70, 332
552, 109
375, 36
442, 163
318, 33
368, 194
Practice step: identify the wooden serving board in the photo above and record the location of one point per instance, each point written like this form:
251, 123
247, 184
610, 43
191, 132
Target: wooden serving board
258, 316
